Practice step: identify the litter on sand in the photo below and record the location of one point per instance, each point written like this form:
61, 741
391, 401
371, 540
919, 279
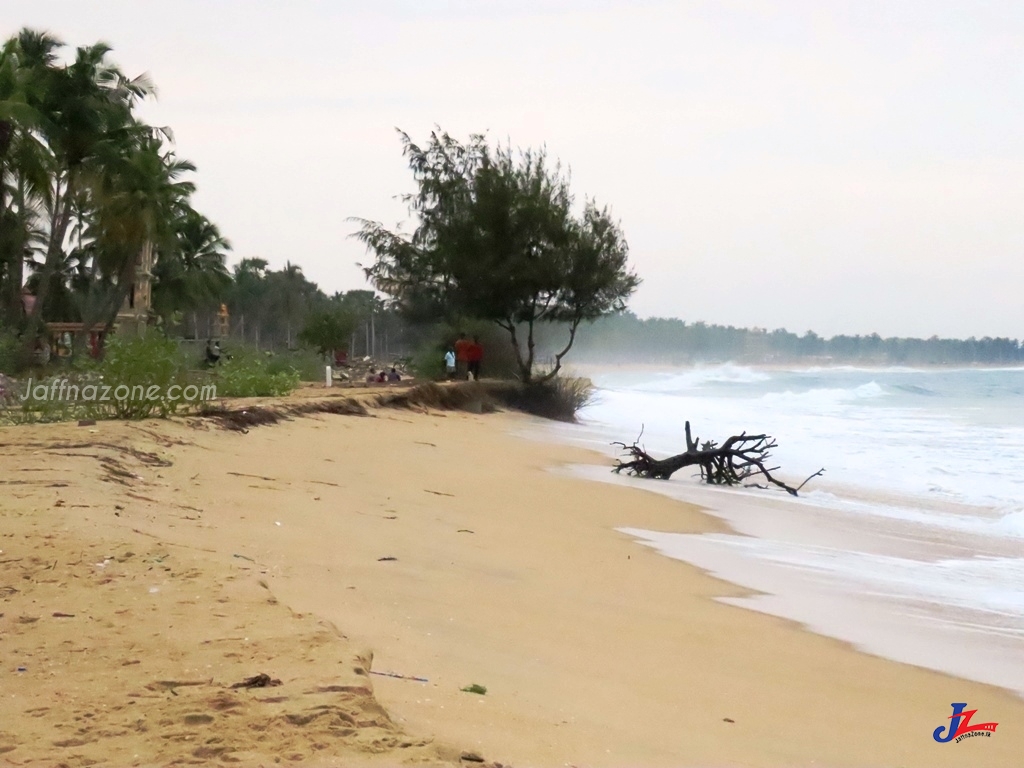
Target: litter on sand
400, 677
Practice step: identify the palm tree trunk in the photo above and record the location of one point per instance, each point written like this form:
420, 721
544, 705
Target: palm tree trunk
60, 218
10, 299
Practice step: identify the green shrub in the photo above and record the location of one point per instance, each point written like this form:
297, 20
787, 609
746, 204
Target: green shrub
249, 373
559, 398
10, 352
428, 361
14, 410
138, 378
152, 362
307, 363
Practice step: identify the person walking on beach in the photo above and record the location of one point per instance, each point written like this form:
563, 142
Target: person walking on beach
462, 346
449, 364
474, 355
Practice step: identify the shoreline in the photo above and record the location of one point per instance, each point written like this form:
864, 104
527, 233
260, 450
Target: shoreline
595, 651
938, 638
796, 556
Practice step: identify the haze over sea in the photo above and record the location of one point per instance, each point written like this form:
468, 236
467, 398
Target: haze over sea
912, 544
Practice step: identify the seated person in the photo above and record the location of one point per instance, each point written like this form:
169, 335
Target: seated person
393, 375
212, 352
382, 376
371, 376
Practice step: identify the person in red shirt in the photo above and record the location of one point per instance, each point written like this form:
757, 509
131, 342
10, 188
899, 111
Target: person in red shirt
462, 356
474, 354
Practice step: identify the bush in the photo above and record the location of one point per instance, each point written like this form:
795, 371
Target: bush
133, 381
149, 361
559, 398
10, 352
428, 361
248, 373
309, 365
17, 411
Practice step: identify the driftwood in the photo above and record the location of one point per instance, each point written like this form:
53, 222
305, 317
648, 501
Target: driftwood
740, 458
257, 681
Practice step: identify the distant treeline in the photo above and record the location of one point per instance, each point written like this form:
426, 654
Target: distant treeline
625, 338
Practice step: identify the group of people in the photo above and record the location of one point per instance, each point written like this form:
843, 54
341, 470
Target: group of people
382, 376
462, 361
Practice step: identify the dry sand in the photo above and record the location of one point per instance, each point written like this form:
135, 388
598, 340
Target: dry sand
189, 558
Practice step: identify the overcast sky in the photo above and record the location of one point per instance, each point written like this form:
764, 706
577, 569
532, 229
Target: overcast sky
845, 167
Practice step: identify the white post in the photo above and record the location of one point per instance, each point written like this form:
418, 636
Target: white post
327, 374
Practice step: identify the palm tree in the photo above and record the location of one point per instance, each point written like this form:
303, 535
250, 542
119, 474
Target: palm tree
138, 196
193, 273
24, 158
86, 187
69, 282
86, 122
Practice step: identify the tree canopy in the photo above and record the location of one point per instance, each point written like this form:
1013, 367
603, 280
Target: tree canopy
85, 186
328, 329
498, 238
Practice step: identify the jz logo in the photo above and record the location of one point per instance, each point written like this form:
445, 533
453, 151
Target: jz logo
960, 726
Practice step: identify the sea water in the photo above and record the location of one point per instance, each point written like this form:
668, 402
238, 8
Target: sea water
910, 546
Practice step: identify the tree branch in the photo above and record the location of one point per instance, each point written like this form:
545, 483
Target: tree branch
740, 457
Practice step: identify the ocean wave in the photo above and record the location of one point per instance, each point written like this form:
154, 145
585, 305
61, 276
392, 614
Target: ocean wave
824, 397
989, 584
831, 369
699, 377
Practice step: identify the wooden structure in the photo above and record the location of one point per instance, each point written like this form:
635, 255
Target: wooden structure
61, 338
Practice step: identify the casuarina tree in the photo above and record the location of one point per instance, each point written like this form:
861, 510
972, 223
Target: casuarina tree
497, 237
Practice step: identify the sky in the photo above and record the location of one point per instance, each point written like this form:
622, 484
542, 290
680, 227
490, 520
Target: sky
842, 167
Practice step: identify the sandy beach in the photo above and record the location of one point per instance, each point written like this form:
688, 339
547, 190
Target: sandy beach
146, 568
